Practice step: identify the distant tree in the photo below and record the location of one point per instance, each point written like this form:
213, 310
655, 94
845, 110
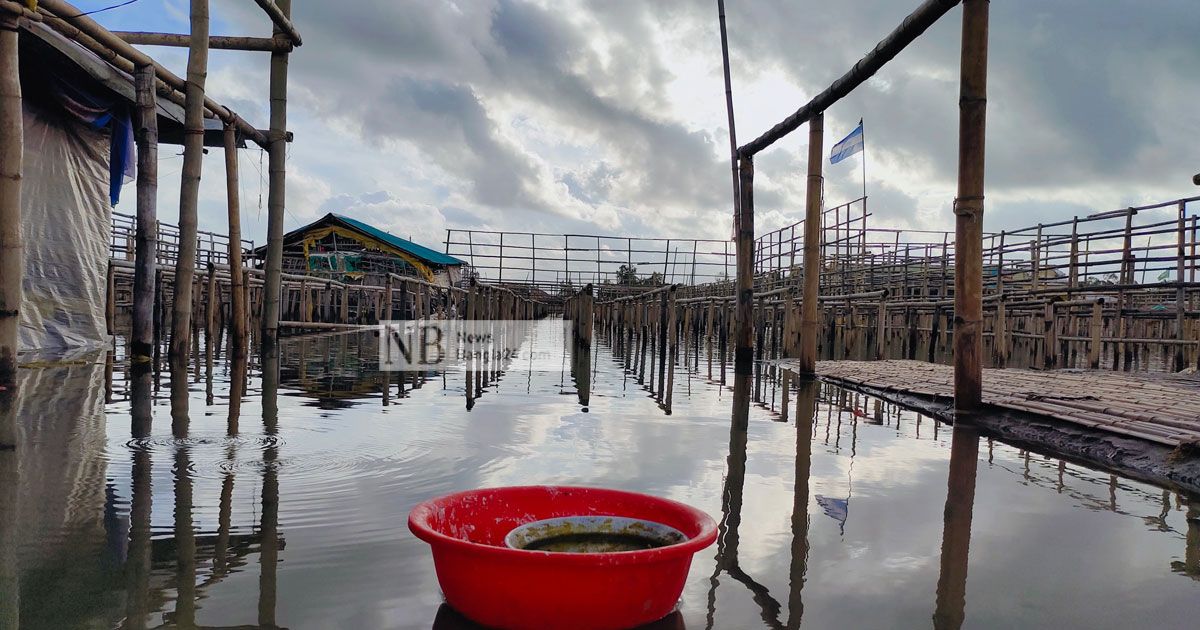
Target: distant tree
627, 274
653, 280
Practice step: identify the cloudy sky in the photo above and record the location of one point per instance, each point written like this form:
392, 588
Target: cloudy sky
608, 116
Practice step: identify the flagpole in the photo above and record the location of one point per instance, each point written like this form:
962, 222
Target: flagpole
864, 160
862, 243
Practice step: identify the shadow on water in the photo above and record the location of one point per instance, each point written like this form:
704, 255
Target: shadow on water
276, 493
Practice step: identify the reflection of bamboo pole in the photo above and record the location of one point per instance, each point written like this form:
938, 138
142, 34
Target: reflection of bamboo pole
269, 557
10, 601
806, 405
185, 543
956, 532
12, 260
137, 585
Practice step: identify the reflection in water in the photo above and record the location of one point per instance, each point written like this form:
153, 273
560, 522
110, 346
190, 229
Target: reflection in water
1191, 554
728, 538
269, 557
956, 532
137, 562
147, 524
10, 482
581, 372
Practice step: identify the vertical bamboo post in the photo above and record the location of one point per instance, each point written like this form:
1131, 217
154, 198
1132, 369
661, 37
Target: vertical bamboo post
807, 359
277, 181
1097, 327
881, 331
344, 311
110, 300
1180, 292
744, 314
211, 306
146, 245
968, 209
1000, 334
1121, 349
233, 205
1049, 337
1000, 266
387, 299
1073, 278
1035, 256
12, 258
189, 188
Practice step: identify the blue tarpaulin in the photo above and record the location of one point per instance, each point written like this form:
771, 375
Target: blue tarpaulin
102, 110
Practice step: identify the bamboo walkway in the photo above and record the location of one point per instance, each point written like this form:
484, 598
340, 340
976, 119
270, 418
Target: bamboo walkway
1162, 408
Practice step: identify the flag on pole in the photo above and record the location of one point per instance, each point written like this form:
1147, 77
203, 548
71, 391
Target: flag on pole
849, 145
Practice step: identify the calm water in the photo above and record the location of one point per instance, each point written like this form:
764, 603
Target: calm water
121, 509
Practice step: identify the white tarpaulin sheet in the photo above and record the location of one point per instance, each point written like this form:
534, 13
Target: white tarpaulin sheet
65, 225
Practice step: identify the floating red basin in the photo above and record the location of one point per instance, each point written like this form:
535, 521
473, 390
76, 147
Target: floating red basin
503, 587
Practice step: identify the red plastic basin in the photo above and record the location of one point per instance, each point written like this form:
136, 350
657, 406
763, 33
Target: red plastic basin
517, 588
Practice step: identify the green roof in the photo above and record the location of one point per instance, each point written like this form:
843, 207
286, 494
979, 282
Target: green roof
420, 251
425, 254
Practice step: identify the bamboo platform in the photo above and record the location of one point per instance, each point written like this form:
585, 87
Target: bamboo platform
1161, 408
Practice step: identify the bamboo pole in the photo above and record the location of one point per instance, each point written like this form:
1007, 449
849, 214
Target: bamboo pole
807, 359
189, 189
280, 12
146, 247
237, 305
215, 42
1180, 292
744, 314
1096, 326
277, 174
968, 209
733, 154
110, 300
12, 258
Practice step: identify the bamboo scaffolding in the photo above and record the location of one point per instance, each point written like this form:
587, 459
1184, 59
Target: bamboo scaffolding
111, 48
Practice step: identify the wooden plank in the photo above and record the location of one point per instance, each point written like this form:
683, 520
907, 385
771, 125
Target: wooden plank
1159, 408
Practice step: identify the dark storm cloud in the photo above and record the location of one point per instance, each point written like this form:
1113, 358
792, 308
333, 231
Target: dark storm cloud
536, 50
1082, 95
449, 123
1077, 89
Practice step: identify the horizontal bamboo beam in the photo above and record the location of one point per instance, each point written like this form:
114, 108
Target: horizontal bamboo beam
912, 27
19, 10
177, 40
280, 20
77, 22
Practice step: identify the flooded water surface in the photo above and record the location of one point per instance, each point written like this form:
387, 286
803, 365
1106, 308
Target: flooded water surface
229, 498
